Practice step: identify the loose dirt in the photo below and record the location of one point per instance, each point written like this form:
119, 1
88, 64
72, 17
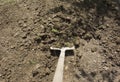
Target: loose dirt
28, 28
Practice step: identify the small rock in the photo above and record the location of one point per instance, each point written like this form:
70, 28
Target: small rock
47, 71
118, 50
94, 49
16, 34
77, 73
115, 52
48, 56
35, 73
24, 35
107, 25
33, 49
118, 41
88, 36
94, 61
52, 69
49, 19
104, 61
28, 29
66, 67
103, 27
56, 20
20, 22
12, 47
77, 43
104, 41
24, 25
54, 15
106, 68
117, 8
106, 18
0, 75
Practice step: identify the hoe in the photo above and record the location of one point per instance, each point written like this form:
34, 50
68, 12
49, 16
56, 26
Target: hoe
58, 77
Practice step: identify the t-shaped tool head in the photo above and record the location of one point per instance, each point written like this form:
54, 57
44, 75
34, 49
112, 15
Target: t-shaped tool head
67, 51
63, 48
58, 77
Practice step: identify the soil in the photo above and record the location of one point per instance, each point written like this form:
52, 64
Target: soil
28, 28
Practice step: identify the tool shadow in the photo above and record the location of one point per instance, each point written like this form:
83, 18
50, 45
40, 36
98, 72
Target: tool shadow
57, 52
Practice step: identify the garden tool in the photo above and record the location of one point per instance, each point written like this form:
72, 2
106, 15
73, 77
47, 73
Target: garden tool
58, 76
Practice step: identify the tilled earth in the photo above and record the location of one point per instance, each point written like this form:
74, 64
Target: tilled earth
28, 28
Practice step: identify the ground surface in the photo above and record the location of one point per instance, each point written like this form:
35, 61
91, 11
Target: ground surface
28, 28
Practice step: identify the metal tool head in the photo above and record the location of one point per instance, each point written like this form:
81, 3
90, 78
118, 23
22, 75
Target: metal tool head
68, 50
63, 48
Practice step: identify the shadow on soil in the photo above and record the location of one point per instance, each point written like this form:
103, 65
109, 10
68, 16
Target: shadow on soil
57, 52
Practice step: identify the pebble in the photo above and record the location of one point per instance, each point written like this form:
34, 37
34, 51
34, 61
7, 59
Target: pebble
12, 47
0, 75
118, 41
77, 73
24, 25
35, 73
115, 52
118, 50
94, 49
88, 36
41, 26
103, 42
24, 35
37, 66
47, 70
52, 69
77, 43
94, 61
49, 19
66, 67
106, 68
117, 8
16, 34
107, 25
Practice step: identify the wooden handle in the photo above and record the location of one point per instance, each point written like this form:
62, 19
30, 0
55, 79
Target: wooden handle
58, 77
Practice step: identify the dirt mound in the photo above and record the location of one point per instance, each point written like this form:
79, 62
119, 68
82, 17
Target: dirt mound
28, 28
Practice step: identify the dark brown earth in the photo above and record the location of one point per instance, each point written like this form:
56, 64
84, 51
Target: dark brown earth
28, 28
